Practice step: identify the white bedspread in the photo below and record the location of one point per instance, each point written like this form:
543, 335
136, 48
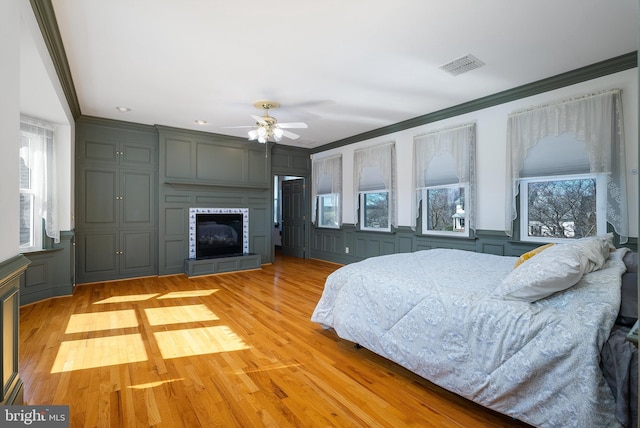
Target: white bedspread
432, 312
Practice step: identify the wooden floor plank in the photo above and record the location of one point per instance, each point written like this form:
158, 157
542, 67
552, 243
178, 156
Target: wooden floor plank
235, 349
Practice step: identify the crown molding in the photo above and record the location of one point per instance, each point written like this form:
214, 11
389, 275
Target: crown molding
603, 68
46, 18
113, 123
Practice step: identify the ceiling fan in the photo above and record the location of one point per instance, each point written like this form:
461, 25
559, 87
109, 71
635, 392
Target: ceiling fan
267, 127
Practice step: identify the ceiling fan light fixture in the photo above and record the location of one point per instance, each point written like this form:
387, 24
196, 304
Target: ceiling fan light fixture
267, 127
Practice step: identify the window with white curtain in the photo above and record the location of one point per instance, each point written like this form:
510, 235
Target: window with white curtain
567, 161
374, 184
444, 175
559, 197
327, 192
37, 185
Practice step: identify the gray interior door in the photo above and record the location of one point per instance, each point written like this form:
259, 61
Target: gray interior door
293, 218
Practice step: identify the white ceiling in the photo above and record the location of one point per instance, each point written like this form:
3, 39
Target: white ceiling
342, 66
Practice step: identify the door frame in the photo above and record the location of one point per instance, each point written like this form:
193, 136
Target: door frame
305, 207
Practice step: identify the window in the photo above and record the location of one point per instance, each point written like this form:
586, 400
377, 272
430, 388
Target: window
445, 210
29, 231
567, 160
374, 184
37, 184
445, 178
326, 192
328, 210
374, 211
556, 208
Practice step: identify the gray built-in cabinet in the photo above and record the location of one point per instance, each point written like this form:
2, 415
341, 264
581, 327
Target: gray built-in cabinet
116, 200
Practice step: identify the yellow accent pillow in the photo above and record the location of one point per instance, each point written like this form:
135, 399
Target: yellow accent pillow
528, 255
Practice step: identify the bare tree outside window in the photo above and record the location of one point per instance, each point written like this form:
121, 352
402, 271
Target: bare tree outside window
444, 204
562, 208
376, 210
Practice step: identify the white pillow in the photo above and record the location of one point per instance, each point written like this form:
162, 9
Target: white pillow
596, 249
554, 269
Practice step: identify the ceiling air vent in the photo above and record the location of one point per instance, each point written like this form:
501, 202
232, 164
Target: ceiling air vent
462, 65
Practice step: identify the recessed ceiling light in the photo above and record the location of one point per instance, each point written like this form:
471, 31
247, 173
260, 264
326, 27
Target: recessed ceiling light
201, 122
123, 109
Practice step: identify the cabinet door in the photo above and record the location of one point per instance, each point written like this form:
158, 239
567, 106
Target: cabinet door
117, 152
137, 253
137, 198
137, 155
97, 255
98, 150
98, 200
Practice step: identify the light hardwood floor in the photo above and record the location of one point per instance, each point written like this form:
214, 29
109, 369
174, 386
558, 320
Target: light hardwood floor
230, 350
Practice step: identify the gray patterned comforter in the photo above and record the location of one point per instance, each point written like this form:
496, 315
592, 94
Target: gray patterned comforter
432, 312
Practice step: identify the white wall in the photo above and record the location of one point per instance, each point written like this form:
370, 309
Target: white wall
9, 127
42, 97
491, 152
47, 102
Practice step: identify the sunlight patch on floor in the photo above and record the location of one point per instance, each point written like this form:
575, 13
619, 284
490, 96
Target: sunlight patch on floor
98, 321
266, 368
99, 352
179, 314
153, 384
198, 341
126, 299
188, 293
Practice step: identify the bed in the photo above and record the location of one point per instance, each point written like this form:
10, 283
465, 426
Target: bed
524, 341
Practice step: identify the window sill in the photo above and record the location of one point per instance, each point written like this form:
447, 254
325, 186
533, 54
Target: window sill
386, 232
39, 251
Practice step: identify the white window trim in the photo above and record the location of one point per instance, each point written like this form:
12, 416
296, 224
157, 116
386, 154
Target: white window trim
362, 211
336, 199
35, 242
425, 211
601, 204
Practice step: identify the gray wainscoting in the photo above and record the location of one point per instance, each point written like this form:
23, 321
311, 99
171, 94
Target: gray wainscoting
50, 273
348, 244
10, 273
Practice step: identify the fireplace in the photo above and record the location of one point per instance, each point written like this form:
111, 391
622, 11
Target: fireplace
218, 232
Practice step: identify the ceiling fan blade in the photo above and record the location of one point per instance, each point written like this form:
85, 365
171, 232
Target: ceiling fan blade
259, 119
290, 135
293, 125
241, 126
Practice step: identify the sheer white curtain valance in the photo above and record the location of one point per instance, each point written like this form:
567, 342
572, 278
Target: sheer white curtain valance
42, 166
595, 119
457, 141
382, 158
327, 178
